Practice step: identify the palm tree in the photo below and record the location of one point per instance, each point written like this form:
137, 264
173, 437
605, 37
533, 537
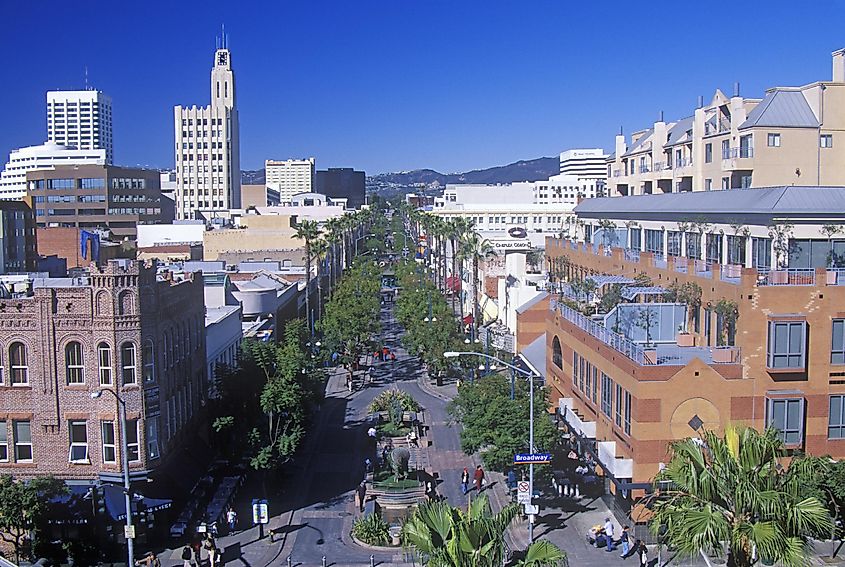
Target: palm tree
458, 228
319, 251
308, 230
444, 536
733, 491
475, 250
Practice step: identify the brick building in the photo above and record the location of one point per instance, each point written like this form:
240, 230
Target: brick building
764, 345
121, 327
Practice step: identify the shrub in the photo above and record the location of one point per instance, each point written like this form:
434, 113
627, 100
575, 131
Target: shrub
392, 398
371, 529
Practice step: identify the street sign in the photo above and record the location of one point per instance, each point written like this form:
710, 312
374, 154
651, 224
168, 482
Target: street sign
129, 532
531, 510
260, 513
523, 492
532, 458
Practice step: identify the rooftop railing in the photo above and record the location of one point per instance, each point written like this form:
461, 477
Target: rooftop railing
791, 276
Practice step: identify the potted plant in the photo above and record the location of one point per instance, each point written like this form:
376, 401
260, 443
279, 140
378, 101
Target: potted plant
684, 338
780, 234
834, 260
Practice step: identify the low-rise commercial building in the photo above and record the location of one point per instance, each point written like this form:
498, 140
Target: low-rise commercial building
18, 252
789, 136
707, 309
45, 156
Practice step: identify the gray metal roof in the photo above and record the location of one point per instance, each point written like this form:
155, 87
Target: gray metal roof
631, 292
605, 279
731, 204
640, 144
532, 302
782, 108
535, 354
678, 132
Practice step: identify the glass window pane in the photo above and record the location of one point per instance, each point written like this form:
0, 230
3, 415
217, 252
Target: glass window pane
837, 335
793, 414
781, 335
778, 414
4, 438
23, 433
796, 335
835, 415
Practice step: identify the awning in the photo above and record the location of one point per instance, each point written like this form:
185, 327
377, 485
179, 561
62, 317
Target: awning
467, 320
453, 284
116, 502
72, 507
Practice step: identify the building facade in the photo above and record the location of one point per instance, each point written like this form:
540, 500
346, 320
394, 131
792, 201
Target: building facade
289, 177
744, 324
208, 170
80, 119
45, 156
342, 183
789, 136
120, 328
587, 163
97, 197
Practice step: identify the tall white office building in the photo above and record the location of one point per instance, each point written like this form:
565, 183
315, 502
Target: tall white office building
80, 119
45, 156
208, 170
289, 177
587, 163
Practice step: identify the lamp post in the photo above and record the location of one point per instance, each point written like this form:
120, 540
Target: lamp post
530, 375
124, 458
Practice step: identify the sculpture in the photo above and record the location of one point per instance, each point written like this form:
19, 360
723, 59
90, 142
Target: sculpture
399, 458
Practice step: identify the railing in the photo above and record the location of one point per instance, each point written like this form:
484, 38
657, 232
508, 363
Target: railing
644, 169
617, 173
681, 264
632, 255
702, 268
792, 276
662, 166
616, 341
837, 277
683, 163
658, 259
739, 152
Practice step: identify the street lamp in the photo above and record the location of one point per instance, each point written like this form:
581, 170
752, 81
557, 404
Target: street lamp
124, 458
530, 375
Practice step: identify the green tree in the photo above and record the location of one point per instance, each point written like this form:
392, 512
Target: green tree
308, 231
445, 536
475, 250
734, 491
497, 426
23, 506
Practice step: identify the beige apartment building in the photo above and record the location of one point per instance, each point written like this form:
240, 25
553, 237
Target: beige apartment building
791, 136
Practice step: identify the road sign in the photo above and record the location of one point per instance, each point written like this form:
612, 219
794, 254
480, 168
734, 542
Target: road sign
532, 458
523, 492
260, 513
129, 532
531, 509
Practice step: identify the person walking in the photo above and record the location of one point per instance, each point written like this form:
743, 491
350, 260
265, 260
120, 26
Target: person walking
465, 480
361, 496
608, 532
187, 556
624, 540
642, 550
478, 477
231, 519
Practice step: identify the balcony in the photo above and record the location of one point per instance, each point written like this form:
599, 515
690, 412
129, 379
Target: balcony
682, 163
658, 355
645, 169
632, 255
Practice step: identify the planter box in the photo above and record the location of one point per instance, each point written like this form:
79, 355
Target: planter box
733, 271
723, 355
650, 356
686, 340
831, 277
778, 277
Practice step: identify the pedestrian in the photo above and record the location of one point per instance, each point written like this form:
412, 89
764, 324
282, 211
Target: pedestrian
478, 477
608, 532
213, 555
642, 549
149, 560
187, 556
393, 359
231, 519
465, 480
623, 539
361, 496
385, 352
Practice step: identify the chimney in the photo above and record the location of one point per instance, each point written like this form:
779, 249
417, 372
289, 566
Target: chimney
736, 88
839, 66
661, 117
700, 101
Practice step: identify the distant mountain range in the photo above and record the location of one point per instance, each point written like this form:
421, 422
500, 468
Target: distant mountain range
404, 181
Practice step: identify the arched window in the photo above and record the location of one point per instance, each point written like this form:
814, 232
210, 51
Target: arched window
18, 364
104, 364
557, 355
149, 361
126, 304
74, 363
128, 363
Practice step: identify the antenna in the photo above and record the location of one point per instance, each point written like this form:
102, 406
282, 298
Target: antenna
223, 34
86, 78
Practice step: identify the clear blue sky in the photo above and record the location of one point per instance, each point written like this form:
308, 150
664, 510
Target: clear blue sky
405, 84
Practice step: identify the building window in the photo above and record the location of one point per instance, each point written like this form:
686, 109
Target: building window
104, 363
606, 395
575, 363
773, 140
826, 141
18, 365
787, 416
761, 252
786, 342
557, 355
619, 405
726, 149
74, 363
4, 442
836, 417
78, 442
708, 153
132, 446
152, 438
708, 184
149, 361
109, 444
837, 342
726, 183
23, 441
627, 415
127, 362
595, 384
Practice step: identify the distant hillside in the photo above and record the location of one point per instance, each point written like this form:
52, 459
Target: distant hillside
390, 183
